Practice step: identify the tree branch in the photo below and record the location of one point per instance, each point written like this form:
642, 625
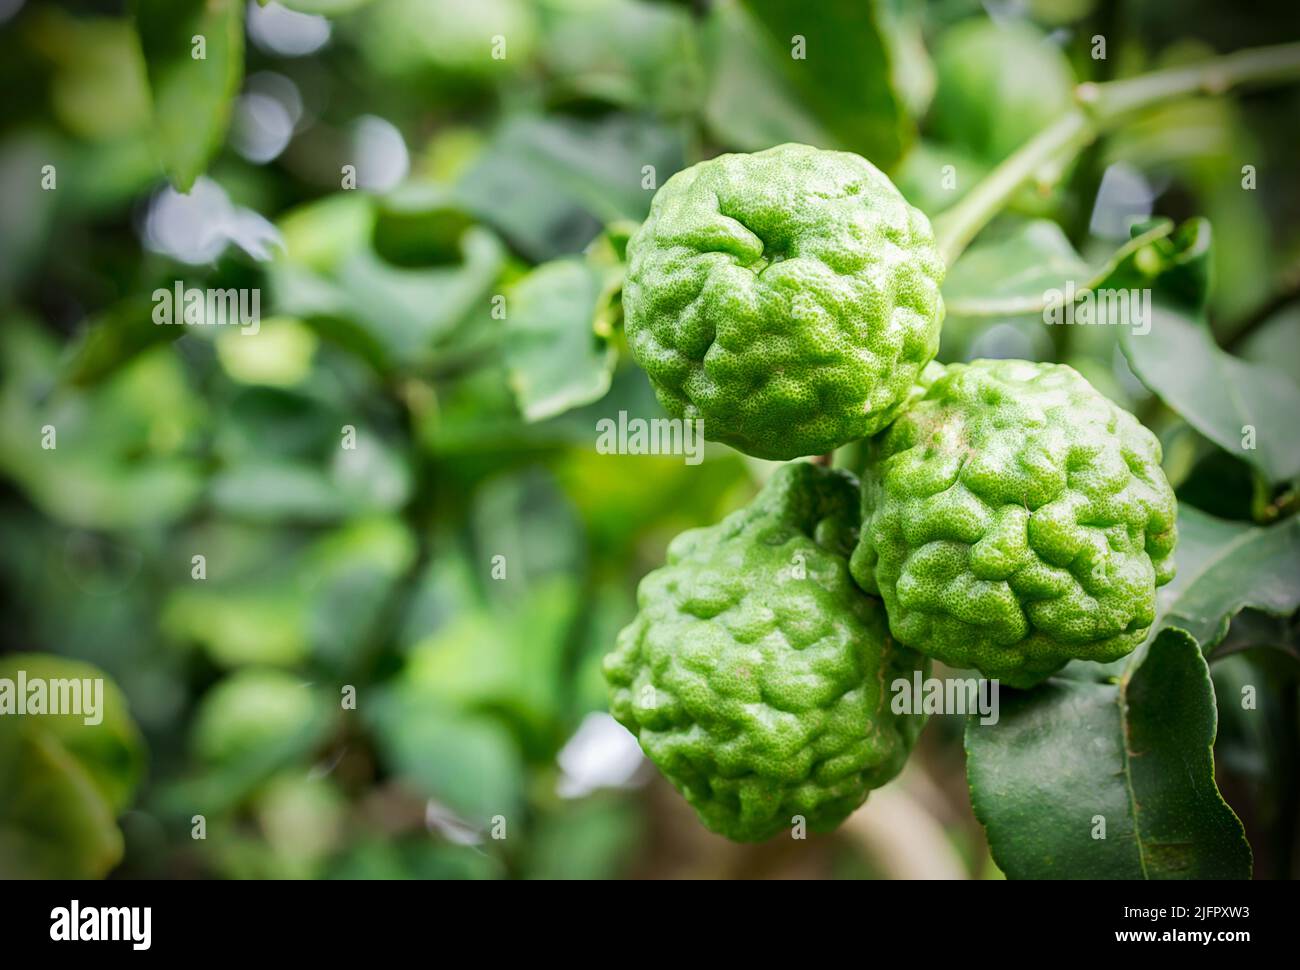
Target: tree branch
1099, 108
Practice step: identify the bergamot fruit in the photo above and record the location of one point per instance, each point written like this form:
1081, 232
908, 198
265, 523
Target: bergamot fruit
756, 674
1015, 519
787, 298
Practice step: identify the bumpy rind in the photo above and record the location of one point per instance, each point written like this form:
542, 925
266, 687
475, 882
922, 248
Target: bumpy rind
788, 298
1015, 519
756, 675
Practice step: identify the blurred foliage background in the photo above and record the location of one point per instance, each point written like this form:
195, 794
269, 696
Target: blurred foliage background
485, 181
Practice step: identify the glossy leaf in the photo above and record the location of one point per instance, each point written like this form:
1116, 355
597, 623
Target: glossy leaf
1245, 408
1132, 759
1225, 567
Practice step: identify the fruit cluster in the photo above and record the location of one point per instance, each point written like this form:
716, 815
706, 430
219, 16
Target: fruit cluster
1010, 518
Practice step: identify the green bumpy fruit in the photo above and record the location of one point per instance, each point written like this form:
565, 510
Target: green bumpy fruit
756, 674
1015, 519
788, 298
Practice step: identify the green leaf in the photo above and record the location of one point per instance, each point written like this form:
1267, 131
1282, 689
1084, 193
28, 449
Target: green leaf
1276, 339
351, 576
920, 176
468, 762
1230, 401
1028, 271
550, 184
419, 224
392, 314
267, 602
994, 294
1247, 409
191, 95
64, 781
556, 360
1008, 276
373, 476
113, 337
510, 665
54, 822
263, 625
253, 710
112, 751
1225, 567
840, 94
629, 53
121, 450
594, 838
1145, 769
250, 726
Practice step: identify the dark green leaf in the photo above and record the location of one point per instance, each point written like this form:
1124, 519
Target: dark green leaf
1144, 770
1224, 567
1245, 408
